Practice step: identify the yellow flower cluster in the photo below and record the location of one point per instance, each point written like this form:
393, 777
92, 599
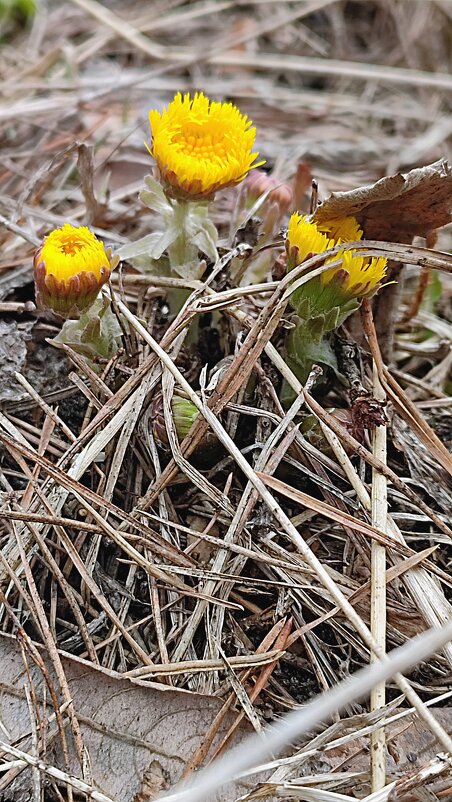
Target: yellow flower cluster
201, 146
358, 276
68, 250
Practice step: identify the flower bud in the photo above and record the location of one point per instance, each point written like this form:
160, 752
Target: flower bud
70, 267
184, 415
259, 182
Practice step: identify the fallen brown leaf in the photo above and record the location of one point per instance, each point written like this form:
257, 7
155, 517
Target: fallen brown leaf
138, 738
398, 207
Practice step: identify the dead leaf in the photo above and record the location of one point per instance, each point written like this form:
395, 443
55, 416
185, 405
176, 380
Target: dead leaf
139, 738
399, 207
414, 743
153, 783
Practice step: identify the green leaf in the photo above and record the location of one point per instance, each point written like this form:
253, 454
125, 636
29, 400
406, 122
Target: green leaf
315, 326
346, 310
301, 304
206, 244
202, 232
143, 246
96, 333
166, 239
154, 197
331, 319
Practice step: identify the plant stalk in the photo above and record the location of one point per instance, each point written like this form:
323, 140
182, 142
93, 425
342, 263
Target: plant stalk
378, 591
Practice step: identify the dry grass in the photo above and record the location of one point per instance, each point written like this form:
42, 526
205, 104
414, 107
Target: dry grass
213, 574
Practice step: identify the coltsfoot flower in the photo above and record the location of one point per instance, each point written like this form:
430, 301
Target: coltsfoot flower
70, 267
325, 301
341, 229
304, 239
357, 277
201, 146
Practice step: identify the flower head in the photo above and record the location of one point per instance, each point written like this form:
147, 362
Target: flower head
304, 239
201, 146
324, 301
357, 277
341, 229
70, 267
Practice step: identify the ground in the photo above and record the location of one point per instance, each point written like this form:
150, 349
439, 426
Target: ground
144, 575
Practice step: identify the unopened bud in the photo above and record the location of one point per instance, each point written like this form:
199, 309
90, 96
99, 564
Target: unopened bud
258, 183
184, 415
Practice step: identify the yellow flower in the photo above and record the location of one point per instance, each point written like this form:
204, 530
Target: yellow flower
357, 277
70, 267
343, 229
304, 239
201, 146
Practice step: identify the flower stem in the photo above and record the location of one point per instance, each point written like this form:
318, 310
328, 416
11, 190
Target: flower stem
179, 251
